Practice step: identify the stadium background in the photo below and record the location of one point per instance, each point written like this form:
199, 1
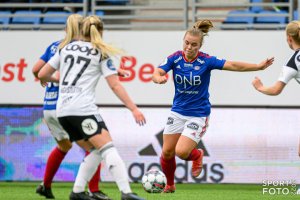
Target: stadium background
251, 137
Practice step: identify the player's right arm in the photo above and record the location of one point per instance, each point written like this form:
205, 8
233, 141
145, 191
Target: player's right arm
159, 76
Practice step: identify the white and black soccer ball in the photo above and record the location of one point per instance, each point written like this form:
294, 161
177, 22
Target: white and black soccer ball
154, 181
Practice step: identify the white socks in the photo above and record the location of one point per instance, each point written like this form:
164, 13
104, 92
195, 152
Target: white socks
113, 161
86, 170
117, 168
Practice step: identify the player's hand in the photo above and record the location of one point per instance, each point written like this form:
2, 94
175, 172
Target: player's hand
159, 79
266, 63
257, 84
122, 73
139, 117
43, 84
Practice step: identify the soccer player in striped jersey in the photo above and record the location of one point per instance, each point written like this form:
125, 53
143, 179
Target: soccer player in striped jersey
51, 95
290, 70
81, 64
188, 120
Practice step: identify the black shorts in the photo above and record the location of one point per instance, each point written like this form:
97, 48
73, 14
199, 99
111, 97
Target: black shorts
81, 127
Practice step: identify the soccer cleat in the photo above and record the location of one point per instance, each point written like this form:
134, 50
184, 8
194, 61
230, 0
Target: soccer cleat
99, 195
198, 164
130, 196
46, 192
169, 189
80, 196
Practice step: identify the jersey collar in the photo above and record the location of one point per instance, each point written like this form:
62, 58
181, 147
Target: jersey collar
186, 60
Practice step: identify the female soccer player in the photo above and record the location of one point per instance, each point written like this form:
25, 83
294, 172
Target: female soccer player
81, 64
188, 120
51, 95
290, 70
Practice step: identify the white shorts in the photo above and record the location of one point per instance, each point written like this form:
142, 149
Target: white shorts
54, 126
191, 127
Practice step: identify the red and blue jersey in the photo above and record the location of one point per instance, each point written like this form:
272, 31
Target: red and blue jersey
51, 94
191, 81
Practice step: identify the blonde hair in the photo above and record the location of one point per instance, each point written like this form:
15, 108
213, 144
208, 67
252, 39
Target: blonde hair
200, 28
72, 29
293, 30
92, 30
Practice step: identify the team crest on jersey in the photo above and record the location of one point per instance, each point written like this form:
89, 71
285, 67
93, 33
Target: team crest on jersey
110, 65
89, 126
197, 67
53, 49
193, 126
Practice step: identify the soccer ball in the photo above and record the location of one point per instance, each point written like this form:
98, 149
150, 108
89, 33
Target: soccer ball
154, 181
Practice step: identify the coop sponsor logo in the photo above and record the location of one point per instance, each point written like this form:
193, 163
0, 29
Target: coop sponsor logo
212, 172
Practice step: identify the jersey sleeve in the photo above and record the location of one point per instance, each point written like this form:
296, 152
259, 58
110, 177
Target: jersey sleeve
46, 56
287, 74
290, 70
50, 51
108, 68
216, 63
55, 61
166, 65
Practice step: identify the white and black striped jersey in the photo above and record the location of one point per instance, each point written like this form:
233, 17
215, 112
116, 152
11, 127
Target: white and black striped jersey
291, 69
80, 67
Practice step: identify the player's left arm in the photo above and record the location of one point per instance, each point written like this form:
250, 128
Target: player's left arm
121, 93
37, 67
273, 90
244, 66
47, 74
122, 72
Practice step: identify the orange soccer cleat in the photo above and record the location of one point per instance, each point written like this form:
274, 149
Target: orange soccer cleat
169, 189
198, 164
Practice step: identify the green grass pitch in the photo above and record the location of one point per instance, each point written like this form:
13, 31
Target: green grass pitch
26, 191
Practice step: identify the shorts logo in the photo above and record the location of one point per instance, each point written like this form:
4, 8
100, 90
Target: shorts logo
170, 121
193, 126
89, 126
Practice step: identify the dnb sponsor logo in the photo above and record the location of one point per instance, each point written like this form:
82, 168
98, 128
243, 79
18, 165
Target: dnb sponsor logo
212, 172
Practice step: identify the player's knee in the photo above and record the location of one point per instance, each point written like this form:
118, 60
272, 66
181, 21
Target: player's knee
65, 145
167, 154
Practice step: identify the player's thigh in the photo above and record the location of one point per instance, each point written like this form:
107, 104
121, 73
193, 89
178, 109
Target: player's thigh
172, 132
169, 143
86, 145
99, 140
